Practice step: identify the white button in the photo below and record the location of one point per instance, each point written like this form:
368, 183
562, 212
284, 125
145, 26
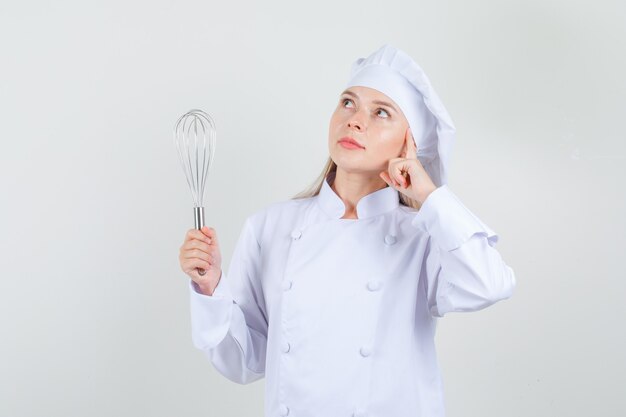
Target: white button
287, 285
359, 413
286, 347
296, 234
390, 239
373, 285
283, 409
365, 351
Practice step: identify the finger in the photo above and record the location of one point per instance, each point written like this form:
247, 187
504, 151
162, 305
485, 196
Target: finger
192, 264
209, 254
196, 234
211, 233
383, 175
196, 244
399, 172
411, 146
195, 254
405, 150
390, 181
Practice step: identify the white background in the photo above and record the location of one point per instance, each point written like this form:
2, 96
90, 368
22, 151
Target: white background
94, 206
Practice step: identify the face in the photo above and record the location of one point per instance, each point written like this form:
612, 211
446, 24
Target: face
375, 122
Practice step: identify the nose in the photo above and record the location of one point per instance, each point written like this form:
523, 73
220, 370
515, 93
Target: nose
356, 124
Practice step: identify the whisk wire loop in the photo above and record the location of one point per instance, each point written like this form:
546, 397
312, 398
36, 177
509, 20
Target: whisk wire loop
194, 137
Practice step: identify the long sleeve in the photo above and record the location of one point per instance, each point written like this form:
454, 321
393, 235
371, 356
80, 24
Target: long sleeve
463, 270
230, 326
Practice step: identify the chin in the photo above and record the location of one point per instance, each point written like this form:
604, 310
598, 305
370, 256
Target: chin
352, 165
346, 161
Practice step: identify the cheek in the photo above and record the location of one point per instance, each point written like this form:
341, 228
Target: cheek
389, 143
335, 119
332, 125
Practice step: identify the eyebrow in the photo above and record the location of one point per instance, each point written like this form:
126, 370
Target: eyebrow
382, 103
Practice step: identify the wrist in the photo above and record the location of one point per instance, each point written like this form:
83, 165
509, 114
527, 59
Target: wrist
208, 288
205, 289
424, 195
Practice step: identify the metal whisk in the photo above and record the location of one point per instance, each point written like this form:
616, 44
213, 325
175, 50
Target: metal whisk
194, 137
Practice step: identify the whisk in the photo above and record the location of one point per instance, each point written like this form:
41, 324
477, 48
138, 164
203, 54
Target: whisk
194, 137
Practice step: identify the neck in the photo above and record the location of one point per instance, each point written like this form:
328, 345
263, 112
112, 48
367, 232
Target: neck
352, 186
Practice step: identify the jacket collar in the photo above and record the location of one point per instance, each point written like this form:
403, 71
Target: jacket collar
370, 205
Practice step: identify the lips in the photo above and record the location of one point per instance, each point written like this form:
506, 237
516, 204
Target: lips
348, 139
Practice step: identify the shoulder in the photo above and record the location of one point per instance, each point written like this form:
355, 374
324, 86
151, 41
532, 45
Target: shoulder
280, 208
278, 215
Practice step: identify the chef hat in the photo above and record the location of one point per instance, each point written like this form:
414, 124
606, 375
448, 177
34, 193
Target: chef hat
393, 73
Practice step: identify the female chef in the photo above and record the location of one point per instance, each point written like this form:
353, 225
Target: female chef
333, 296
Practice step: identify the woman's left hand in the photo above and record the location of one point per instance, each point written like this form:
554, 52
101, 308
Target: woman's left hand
406, 173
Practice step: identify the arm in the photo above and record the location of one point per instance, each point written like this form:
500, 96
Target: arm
463, 270
229, 326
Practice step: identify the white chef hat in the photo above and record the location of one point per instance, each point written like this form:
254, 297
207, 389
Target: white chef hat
393, 73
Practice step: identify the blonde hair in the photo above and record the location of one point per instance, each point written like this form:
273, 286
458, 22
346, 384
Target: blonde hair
314, 189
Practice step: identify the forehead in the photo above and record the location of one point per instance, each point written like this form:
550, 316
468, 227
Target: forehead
366, 93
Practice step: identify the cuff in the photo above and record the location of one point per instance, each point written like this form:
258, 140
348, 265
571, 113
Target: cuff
219, 291
448, 221
210, 314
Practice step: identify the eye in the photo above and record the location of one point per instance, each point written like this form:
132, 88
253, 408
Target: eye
344, 101
387, 114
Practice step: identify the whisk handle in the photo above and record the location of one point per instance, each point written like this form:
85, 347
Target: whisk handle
198, 216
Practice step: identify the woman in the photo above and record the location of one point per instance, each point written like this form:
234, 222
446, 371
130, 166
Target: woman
333, 296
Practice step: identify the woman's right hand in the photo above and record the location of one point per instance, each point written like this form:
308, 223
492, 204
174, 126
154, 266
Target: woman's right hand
201, 250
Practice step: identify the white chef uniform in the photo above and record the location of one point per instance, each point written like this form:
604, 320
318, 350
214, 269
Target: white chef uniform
339, 315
